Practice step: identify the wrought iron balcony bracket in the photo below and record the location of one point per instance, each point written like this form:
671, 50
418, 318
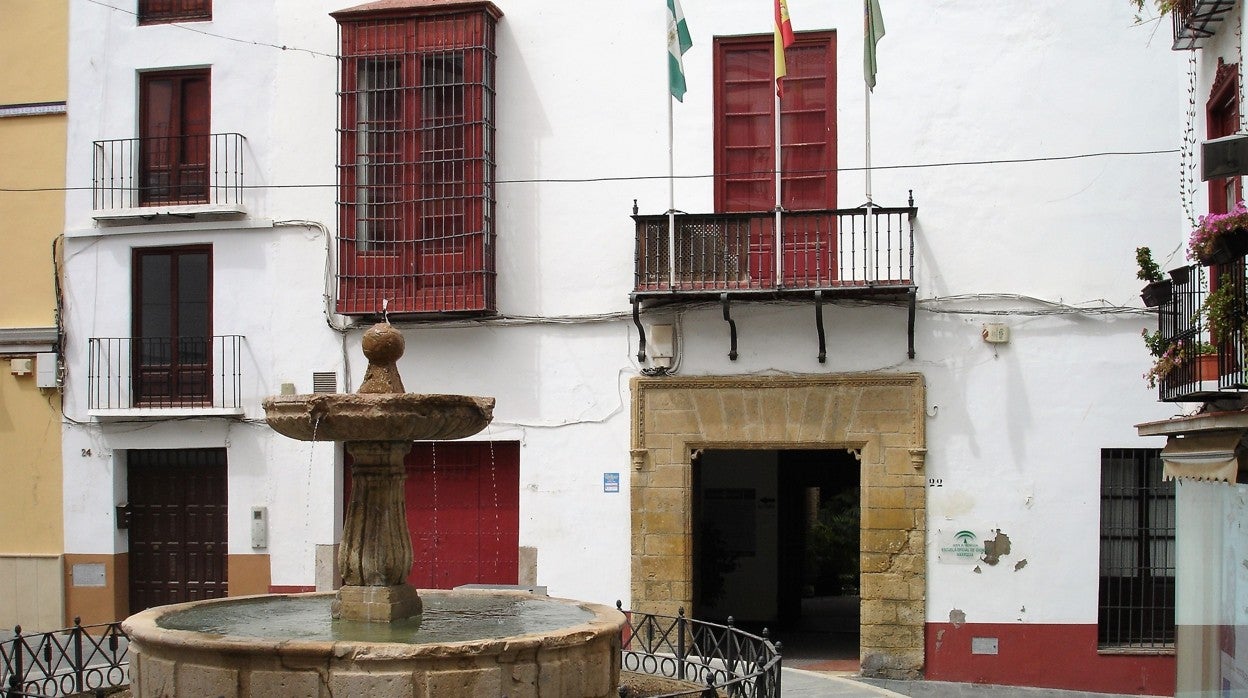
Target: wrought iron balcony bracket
732, 327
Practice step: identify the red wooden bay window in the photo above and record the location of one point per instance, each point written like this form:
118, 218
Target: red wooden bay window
416, 164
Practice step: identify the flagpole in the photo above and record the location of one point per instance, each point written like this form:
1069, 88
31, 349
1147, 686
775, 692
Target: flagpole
779, 214
671, 195
871, 270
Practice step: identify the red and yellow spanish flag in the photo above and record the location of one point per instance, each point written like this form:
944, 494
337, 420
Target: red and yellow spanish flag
784, 39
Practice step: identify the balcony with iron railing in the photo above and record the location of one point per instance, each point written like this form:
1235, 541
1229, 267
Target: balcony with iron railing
160, 377
1209, 347
1196, 20
170, 175
864, 253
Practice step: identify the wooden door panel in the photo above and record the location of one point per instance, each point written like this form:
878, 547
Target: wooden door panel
177, 500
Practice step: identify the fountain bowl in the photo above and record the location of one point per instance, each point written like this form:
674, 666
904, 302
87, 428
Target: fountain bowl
578, 659
377, 416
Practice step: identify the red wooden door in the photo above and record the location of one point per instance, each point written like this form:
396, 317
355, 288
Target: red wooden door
463, 510
174, 128
177, 531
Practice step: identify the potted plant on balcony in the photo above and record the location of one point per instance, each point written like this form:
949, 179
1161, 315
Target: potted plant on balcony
1157, 289
1220, 237
1171, 355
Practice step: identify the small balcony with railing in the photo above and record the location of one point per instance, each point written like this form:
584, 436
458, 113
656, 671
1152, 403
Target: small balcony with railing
168, 176
1199, 347
864, 253
1196, 20
162, 377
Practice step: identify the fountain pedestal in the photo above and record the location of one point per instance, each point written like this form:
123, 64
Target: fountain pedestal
376, 551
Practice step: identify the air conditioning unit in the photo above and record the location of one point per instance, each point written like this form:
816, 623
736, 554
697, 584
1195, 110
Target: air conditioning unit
1224, 157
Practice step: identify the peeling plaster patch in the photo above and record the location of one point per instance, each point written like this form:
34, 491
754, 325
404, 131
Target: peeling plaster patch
1020, 564
940, 638
977, 570
957, 617
996, 548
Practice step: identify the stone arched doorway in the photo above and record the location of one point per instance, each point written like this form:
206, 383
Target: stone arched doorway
879, 415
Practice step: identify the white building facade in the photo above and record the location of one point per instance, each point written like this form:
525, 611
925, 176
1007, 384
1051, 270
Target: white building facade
253, 184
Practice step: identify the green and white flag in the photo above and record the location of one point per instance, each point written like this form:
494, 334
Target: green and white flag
872, 32
678, 42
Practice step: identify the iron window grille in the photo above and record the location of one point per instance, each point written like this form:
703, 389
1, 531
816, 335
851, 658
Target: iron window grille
1137, 569
417, 164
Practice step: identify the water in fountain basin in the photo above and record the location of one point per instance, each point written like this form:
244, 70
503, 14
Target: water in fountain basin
447, 618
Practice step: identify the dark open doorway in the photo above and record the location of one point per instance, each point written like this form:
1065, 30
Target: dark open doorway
776, 546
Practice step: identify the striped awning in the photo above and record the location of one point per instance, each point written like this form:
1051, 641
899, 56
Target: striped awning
1209, 455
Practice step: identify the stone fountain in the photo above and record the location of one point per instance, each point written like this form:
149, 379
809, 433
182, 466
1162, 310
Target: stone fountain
377, 635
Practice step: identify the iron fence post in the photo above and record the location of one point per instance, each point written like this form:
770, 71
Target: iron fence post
680, 643
15, 679
76, 637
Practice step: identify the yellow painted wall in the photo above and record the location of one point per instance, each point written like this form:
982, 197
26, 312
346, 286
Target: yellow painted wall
33, 55
32, 149
34, 50
33, 64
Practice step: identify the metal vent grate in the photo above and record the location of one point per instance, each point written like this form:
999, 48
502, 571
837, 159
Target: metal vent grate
324, 382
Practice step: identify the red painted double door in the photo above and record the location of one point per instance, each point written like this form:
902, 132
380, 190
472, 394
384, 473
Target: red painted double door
463, 511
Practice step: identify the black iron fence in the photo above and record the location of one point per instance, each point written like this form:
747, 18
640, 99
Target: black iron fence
169, 170
720, 660
823, 249
164, 372
81, 659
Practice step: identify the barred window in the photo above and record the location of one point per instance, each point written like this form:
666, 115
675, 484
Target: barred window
416, 170
1136, 607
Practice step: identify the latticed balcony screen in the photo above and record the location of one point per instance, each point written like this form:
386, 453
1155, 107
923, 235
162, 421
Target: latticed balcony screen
416, 169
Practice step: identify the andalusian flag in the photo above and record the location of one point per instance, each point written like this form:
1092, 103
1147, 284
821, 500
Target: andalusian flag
872, 31
678, 42
784, 39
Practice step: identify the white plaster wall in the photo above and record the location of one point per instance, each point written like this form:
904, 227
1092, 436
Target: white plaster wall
1014, 436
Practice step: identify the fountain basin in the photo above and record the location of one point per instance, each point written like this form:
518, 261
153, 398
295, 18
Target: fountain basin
377, 416
468, 643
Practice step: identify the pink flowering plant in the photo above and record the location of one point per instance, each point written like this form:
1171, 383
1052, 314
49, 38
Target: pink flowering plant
1211, 227
1169, 358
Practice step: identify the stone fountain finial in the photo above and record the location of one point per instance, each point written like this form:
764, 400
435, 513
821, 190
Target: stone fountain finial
382, 345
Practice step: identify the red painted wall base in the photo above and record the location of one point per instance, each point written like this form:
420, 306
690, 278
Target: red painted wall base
1043, 656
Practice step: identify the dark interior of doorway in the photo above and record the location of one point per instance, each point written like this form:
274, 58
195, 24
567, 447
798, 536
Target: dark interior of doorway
804, 505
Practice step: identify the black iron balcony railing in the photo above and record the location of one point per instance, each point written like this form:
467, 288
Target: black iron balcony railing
161, 373
1210, 353
134, 173
843, 249
1196, 20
